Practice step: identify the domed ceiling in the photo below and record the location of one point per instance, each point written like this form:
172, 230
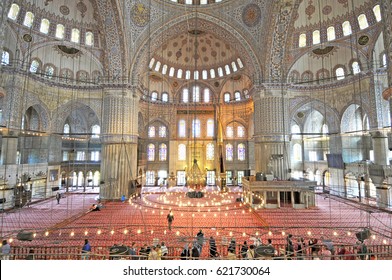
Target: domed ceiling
310, 11
196, 49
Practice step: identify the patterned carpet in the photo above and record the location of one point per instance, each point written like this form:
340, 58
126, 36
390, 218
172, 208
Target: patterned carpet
221, 215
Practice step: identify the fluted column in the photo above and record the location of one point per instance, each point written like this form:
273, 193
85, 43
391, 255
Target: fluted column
119, 142
271, 130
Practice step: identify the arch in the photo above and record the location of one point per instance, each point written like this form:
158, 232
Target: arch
206, 23
354, 118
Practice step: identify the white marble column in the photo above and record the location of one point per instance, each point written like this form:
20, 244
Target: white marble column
380, 148
271, 122
119, 143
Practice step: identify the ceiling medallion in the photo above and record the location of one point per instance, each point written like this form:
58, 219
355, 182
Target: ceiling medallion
251, 15
27, 38
64, 10
363, 40
140, 14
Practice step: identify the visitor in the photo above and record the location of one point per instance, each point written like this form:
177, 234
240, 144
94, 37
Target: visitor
200, 241
213, 250
170, 219
244, 250
164, 250
86, 250
5, 250
58, 197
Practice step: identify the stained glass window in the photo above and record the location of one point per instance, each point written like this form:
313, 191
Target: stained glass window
96, 130
229, 152
44, 26
34, 66
210, 151
346, 28
210, 128
302, 40
241, 152
226, 97
196, 128
229, 132
29, 19
362, 21
162, 152
339, 73
5, 58
49, 71
185, 95
151, 131
60, 31
331, 33
154, 96
237, 96
13, 12
377, 12
75, 35
165, 97
162, 131
240, 131
89, 38
196, 94
181, 128
151, 152
206, 95
356, 67
316, 37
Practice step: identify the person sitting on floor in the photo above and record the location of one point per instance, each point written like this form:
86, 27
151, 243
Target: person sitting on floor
94, 207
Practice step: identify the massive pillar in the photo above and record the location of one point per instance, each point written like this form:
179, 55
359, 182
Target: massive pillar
380, 148
271, 131
119, 143
386, 11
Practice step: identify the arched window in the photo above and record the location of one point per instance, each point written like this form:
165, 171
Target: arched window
60, 31
346, 28
154, 96
196, 94
29, 19
296, 131
234, 66
164, 69
241, 152
316, 37
75, 35
339, 73
227, 69
185, 95
297, 152
66, 129
204, 75
196, 128
165, 97
182, 128
239, 62
171, 72
179, 74
331, 33
187, 75
240, 131
229, 152
356, 67
237, 96
162, 152
210, 128
206, 95
44, 28
212, 73
226, 97
49, 71
210, 149
34, 66
157, 66
151, 131
362, 21
196, 75
162, 131
151, 64
377, 12
5, 58
181, 152
151, 152
96, 131
229, 132
220, 72
89, 38
302, 40
13, 12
